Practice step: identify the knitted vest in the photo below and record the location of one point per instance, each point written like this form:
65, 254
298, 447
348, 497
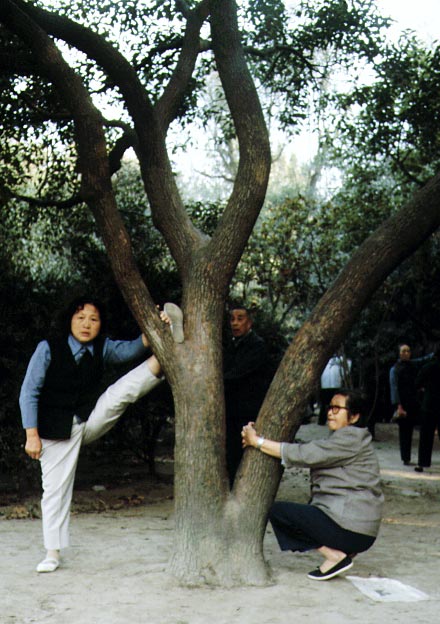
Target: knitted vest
69, 389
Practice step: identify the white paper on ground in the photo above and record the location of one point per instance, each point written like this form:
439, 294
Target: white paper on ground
387, 590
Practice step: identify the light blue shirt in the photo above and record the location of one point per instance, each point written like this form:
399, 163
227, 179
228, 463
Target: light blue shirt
114, 352
394, 391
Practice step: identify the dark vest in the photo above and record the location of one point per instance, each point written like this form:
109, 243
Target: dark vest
69, 389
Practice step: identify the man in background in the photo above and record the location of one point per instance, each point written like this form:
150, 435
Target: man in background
247, 375
403, 395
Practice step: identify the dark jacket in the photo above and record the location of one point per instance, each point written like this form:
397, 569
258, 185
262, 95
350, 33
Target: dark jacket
246, 377
344, 477
69, 389
406, 373
428, 378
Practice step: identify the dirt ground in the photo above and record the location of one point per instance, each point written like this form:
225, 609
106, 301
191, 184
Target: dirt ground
115, 572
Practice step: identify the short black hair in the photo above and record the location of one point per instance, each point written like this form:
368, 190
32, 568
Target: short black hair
356, 403
78, 304
238, 306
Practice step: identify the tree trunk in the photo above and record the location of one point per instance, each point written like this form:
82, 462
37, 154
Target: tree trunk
215, 541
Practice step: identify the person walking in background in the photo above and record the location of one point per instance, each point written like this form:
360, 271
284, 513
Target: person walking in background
408, 406
63, 405
428, 381
403, 394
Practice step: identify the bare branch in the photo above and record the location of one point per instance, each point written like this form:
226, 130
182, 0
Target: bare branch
47, 202
214, 176
168, 104
167, 208
274, 53
127, 140
410, 176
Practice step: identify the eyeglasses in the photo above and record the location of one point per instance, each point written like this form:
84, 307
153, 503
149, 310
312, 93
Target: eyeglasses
335, 408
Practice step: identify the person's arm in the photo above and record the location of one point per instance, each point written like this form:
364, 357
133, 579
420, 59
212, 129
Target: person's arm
337, 450
29, 397
251, 438
394, 392
423, 359
121, 351
32, 384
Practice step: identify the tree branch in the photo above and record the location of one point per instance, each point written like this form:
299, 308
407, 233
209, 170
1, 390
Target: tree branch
127, 140
168, 46
123, 143
401, 165
283, 49
63, 204
167, 106
168, 212
250, 185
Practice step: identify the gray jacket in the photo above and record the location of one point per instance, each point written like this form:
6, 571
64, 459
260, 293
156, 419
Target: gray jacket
345, 477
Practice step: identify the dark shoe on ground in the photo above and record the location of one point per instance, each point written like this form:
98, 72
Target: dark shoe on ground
175, 315
406, 463
339, 568
418, 469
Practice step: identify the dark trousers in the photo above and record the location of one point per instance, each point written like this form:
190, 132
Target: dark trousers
305, 527
428, 424
406, 428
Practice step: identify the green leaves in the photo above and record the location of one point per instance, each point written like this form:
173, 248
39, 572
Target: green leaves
392, 124
290, 260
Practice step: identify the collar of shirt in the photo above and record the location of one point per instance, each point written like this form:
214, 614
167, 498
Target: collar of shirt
78, 349
237, 339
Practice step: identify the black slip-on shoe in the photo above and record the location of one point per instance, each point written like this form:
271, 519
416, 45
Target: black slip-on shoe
342, 566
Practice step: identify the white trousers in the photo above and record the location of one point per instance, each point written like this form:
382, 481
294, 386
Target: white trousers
59, 458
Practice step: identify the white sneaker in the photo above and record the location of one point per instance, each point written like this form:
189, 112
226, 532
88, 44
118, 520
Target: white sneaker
50, 564
175, 315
